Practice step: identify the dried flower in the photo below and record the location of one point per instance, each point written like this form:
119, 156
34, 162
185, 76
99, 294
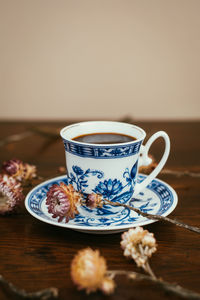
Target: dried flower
149, 168
88, 271
138, 244
61, 170
94, 200
62, 201
10, 194
19, 170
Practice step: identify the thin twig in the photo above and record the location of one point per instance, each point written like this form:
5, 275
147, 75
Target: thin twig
49, 293
166, 286
45, 131
15, 138
180, 173
155, 217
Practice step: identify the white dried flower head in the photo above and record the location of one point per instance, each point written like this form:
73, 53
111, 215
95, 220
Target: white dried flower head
138, 244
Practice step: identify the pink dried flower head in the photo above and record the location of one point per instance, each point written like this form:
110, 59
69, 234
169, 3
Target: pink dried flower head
138, 244
11, 194
94, 200
19, 170
88, 271
62, 201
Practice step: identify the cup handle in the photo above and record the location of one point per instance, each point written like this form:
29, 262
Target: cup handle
145, 160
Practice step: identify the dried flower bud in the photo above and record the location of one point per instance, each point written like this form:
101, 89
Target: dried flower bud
61, 170
138, 244
11, 194
107, 286
62, 201
94, 200
19, 170
88, 271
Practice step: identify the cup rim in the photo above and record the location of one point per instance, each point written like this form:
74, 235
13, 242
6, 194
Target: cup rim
139, 129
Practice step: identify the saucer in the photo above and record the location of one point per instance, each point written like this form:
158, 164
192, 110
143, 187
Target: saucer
157, 198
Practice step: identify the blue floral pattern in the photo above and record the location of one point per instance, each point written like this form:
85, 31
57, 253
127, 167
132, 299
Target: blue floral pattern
111, 189
79, 177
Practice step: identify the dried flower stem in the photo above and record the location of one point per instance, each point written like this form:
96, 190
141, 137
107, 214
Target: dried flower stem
166, 286
155, 217
50, 293
146, 266
148, 270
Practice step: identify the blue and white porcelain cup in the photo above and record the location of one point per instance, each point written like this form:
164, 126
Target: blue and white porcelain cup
109, 169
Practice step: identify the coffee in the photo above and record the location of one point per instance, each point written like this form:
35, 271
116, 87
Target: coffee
104, 138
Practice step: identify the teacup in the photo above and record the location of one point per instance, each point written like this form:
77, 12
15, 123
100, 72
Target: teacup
109, 167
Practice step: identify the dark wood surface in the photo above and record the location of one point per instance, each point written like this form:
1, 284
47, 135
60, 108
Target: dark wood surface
35, 255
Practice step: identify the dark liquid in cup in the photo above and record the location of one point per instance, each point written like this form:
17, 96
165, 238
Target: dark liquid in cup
104, 138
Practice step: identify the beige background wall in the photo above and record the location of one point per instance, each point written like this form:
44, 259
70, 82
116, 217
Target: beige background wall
94, 59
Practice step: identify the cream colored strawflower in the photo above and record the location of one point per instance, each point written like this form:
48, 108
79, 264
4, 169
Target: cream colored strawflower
138, 244
88, 271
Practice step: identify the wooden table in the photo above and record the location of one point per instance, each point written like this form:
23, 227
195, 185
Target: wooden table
35, 255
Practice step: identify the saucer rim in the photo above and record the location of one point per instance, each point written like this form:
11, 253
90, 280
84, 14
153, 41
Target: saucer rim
97, 229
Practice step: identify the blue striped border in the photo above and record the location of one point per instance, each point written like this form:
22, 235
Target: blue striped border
102, 152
